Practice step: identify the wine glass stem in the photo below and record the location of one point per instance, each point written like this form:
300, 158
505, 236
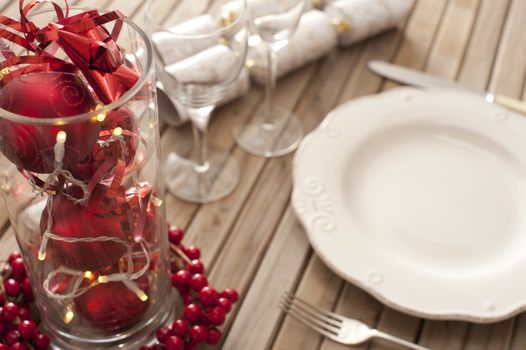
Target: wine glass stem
271, 83
200, 118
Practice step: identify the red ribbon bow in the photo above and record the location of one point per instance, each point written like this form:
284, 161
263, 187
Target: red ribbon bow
90, 47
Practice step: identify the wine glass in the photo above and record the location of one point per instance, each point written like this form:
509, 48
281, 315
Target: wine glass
200, 52
274, 131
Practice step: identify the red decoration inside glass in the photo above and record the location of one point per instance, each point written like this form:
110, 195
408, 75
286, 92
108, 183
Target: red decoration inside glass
46, 95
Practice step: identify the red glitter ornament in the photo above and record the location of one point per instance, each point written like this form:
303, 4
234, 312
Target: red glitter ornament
112, 306
120, 118
108, 148
46, 95
103, 215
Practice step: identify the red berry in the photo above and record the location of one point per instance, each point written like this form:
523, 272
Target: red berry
26, 289
225, 304
197, 334
12, 287
179, 327
208, 296
18, 346
12, 337
192, 312
24, 314
192, 252
29, 298
195, 266
213, 336
27, 329
3, 346
163, 334
204, 320
183, 291
13, 256
230, 294
41, 342
198, 282
26, 286
187, 299
10, 311
175, 235
17, 266
216, 316
181, 279
174, 343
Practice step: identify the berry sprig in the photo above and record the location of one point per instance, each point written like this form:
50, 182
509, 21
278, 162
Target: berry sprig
204, 309
17, 330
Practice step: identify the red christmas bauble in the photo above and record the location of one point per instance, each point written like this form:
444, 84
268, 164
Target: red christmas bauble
111, 151
121, 118
46, 95
113, 306
103, 215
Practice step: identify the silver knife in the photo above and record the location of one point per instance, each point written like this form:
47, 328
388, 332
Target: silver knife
413, 77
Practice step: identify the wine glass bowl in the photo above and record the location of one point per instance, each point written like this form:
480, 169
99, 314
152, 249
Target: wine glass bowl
199, 57
275, 21
208, 57
274, 131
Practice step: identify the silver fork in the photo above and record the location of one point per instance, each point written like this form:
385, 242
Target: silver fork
335, 327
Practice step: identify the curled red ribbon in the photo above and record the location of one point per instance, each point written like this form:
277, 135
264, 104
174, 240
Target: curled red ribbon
89, 46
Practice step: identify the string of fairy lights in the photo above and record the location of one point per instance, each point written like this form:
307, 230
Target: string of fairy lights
82, 281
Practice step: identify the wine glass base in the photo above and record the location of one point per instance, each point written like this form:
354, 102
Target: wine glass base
192, 183
275, 136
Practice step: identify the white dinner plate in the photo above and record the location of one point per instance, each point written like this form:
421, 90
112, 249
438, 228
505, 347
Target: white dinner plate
419, 198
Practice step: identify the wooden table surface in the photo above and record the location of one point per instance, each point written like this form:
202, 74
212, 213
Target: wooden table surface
252, 240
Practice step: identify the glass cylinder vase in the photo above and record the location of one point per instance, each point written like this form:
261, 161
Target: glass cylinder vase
85, 198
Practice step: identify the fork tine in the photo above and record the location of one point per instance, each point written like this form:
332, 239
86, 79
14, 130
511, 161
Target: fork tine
316, 308
307, 324
312, 312
331, 315
312, 319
